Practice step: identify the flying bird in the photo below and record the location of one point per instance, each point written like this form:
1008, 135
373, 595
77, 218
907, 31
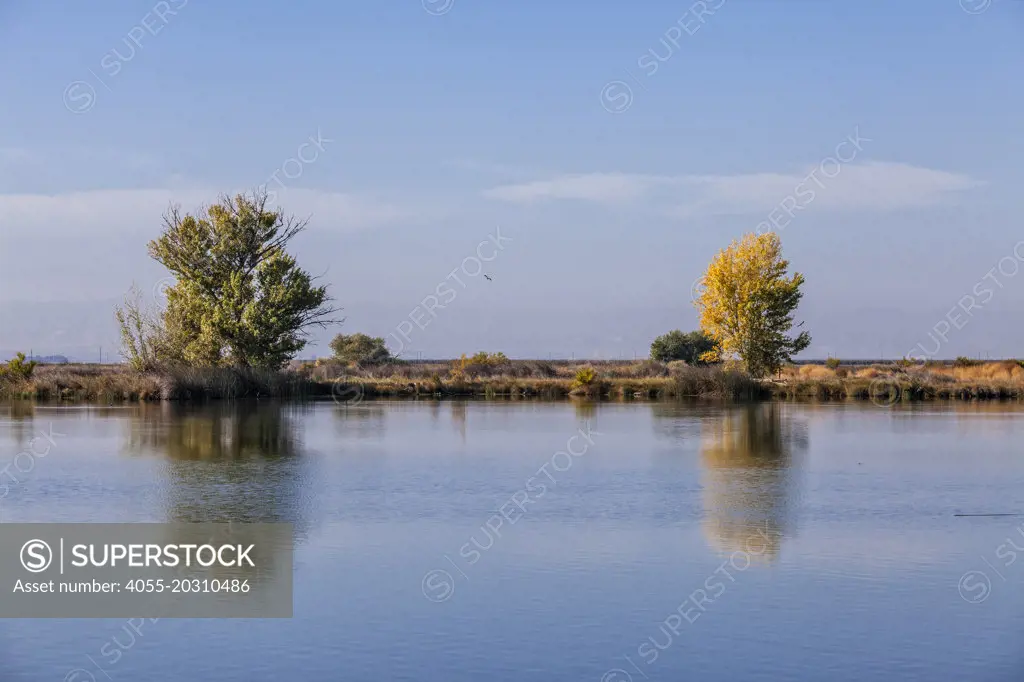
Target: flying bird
488, 277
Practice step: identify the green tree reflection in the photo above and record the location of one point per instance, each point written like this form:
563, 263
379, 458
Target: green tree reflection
237, 462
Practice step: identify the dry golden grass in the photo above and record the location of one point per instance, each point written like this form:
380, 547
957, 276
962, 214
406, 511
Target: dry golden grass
116, 383
622, 380
1004, 371
816, 372
512, 379
1002, 379
527, 378
106, 383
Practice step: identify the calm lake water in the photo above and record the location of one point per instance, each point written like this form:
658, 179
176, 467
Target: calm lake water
460, 541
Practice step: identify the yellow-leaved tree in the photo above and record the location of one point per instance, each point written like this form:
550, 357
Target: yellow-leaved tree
747, 302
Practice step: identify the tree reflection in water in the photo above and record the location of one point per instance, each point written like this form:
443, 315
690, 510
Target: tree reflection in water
748, 476
459, 417
239, 462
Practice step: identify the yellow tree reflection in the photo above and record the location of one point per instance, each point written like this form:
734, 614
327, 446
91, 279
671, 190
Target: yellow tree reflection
747, 454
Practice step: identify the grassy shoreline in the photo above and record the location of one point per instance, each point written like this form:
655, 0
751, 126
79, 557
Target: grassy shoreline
881, 383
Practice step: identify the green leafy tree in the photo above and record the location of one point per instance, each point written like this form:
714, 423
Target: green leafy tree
679, 346
360, 348
240, 299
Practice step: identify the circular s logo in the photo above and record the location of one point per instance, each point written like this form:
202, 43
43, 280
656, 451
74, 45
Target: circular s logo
885, 392
438, 7
616, 97
975, 6
346, 394
79, 675
974, 587
79, 97
438, 585
36, 556
616, 675
696, 289
161, 287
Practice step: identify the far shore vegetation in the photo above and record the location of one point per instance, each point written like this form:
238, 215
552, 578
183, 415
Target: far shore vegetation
883, 383
241, 309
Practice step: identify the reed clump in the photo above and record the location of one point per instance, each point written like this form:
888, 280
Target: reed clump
104, 383
117, 383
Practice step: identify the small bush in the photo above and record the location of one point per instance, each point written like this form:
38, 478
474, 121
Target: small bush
679, 346
17, 369
964, 361
716, 381
457, 370
584, 377
360, 348
647, 369
484, 358
832, 363
537, 368
143, 341
481, 364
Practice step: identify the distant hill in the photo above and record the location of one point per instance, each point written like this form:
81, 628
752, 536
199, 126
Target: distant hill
49, 359
6, 355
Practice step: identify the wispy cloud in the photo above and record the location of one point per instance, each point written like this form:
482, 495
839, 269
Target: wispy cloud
604, 188
872, 186
118, 210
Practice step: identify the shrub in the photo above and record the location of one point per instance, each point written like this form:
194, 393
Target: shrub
584, 377
457, 371
676, 345
484, 358
715, 381
964, 361
144, 345
832, 363
639, 370
482, 364
360, 348
536, 368
16, 368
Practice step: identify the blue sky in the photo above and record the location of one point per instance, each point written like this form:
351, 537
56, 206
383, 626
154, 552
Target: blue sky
442, 121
